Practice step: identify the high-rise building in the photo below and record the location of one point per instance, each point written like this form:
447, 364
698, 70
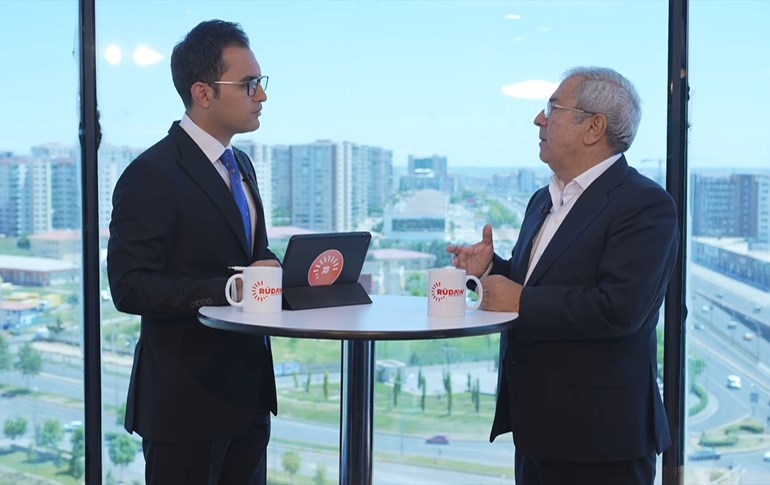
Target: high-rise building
112, 161
763, 213
332, 186
25, 195
313, 170
378, 163
261, 158
281, 184
725, 205
428, 173
65, 193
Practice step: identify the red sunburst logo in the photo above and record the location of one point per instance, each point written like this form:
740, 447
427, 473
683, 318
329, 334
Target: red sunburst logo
326, 268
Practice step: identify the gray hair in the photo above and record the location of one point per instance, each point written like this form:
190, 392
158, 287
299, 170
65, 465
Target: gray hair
602, 90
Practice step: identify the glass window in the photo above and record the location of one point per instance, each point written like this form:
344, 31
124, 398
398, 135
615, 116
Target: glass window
728, 295
41, 324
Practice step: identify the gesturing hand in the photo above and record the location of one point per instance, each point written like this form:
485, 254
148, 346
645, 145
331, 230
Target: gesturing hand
474, 259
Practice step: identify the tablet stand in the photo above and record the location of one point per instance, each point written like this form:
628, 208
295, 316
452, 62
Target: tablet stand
306, 297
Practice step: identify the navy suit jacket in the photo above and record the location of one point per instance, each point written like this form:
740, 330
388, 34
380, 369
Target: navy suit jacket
578, 370
175, 230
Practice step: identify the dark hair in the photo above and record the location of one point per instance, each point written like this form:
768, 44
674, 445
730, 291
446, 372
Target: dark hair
198, 57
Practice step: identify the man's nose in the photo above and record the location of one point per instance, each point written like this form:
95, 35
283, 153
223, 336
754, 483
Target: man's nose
260, 94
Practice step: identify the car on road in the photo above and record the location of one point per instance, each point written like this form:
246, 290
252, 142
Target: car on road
72, 426
732, 324
766, 456
748, 336
705, 454
439, 439
734, 382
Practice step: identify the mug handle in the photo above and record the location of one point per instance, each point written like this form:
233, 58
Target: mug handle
479, 290
228, 286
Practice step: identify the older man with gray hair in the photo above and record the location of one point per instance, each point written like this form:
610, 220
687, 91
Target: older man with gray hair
578, 368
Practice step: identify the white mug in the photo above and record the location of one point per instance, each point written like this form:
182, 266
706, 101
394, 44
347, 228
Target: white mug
262, 289
447, 291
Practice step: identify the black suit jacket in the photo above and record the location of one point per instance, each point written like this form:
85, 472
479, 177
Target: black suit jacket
578, 369
175, 230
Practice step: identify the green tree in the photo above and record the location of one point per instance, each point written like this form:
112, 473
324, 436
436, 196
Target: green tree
469, 384
498, 215
48, 434
423, 385
320, 474
120, 414
23, 242
307, 384
397, 387
6, 359
476, 394
15, 427
77, 460
448, 388
30, 361
122, 450
326, 385
295, 375
291, 462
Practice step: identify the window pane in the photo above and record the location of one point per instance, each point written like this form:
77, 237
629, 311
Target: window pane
40, 246
430, 101
729, 252
507, 59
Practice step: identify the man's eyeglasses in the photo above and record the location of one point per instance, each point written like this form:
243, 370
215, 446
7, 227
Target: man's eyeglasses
549, 107
252, 85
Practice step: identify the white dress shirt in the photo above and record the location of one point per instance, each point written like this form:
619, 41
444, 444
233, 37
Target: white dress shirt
563, 199
213, 150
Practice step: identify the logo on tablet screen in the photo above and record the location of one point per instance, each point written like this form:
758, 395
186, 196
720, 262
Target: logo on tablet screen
326, 268
438, 293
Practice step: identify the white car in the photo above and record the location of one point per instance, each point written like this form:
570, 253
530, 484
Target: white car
734, 382
766, 456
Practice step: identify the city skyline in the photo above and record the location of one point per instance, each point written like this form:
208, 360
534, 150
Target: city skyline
457, 79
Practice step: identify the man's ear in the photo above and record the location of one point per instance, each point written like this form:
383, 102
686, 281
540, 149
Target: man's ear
597, 129
202, 94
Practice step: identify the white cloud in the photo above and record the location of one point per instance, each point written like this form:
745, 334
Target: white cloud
531, 89
144, 56
512, 16
112, 54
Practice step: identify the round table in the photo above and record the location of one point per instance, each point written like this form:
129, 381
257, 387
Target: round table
388, 317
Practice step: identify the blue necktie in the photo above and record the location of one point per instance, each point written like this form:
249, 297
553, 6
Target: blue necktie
228, 160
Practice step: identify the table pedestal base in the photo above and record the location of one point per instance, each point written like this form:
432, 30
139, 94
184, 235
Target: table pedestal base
357, 414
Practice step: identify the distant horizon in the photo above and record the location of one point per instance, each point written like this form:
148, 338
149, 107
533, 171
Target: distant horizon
641, 165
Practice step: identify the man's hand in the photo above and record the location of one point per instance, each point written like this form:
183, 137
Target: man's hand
266, 262
474, 259
261, 262
500, 294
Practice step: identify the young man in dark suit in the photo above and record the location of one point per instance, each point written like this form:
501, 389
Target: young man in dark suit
183, 212
578, 368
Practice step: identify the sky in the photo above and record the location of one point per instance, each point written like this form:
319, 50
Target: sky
462, 79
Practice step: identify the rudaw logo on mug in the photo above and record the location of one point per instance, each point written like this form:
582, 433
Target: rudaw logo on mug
262, 289
446, 292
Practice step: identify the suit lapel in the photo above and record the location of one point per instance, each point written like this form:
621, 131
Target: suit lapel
587, 208
199, 167
530, 227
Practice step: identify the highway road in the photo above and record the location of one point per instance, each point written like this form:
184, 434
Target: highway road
713, 303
